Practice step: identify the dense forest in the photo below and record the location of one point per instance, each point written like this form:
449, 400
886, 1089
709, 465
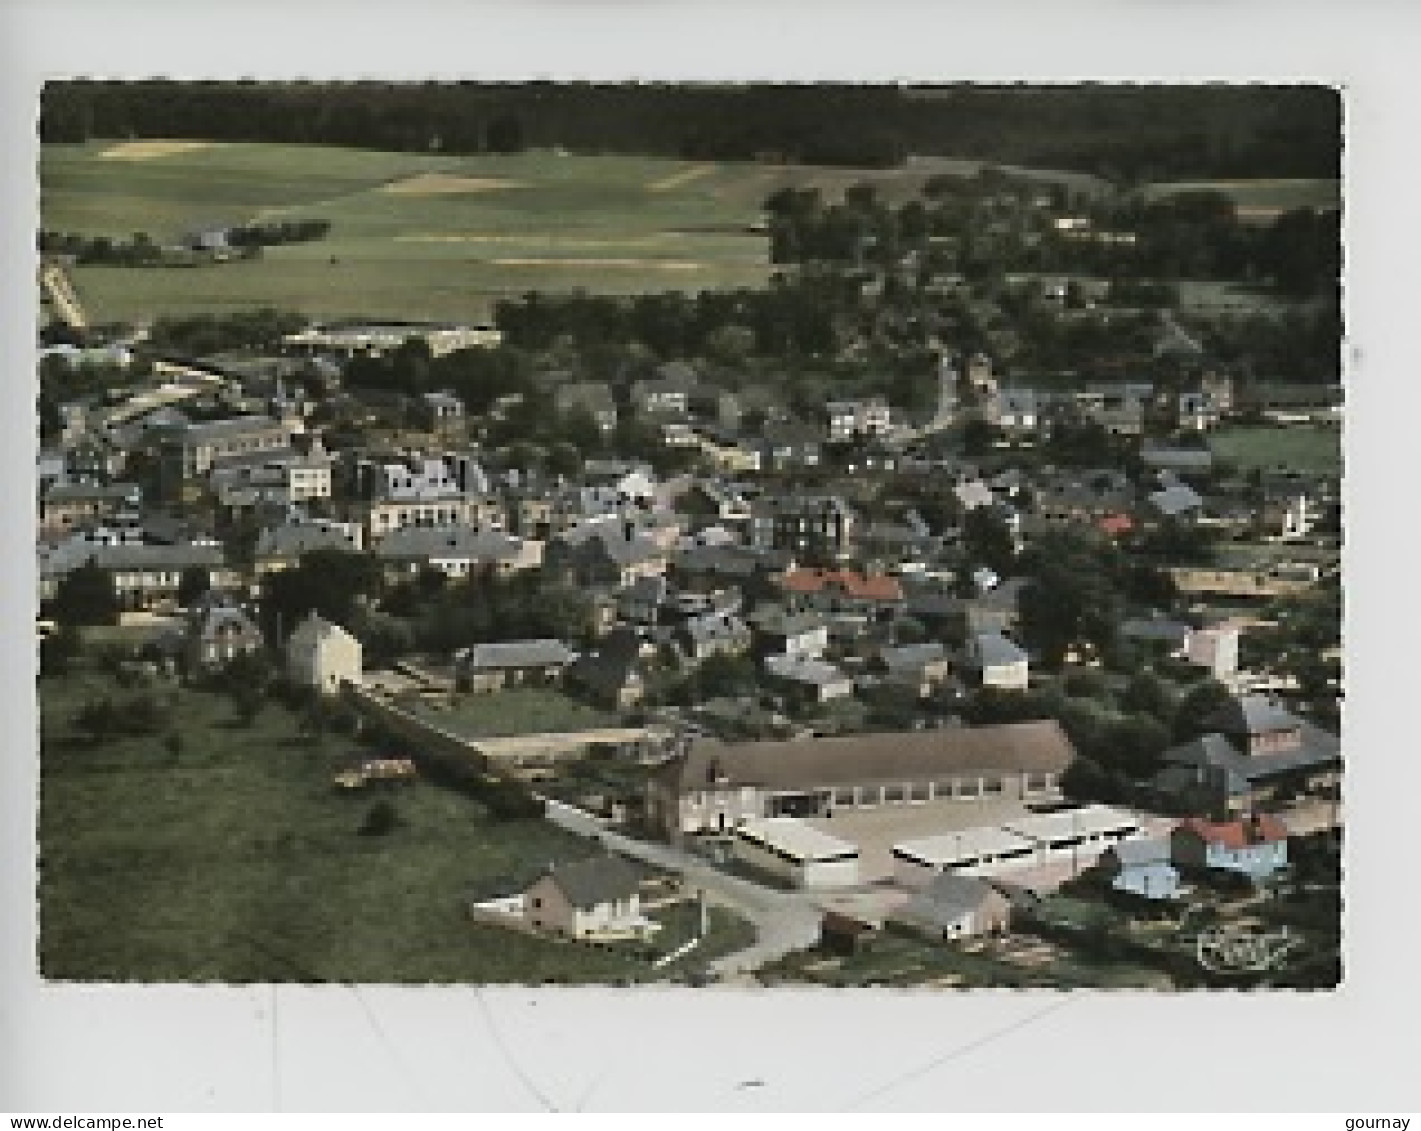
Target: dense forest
1122, 133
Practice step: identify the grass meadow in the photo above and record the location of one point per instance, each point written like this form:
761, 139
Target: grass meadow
1300, 447
232, 858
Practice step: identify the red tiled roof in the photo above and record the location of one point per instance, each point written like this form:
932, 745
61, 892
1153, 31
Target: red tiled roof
1261, 829
1116, 523
868, 587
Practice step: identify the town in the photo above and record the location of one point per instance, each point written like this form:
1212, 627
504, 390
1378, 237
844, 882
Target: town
960, 606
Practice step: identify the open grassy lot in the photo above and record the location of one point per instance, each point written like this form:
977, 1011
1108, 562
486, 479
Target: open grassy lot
425, 235
518, 710
1298, 447
234, 859
1261, 200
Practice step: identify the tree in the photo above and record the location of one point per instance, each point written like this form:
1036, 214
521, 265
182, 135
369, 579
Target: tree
58, 650
1199, 704
327, 582
1147, 694
193, 583
85, 596
724, 675
381, 819
987, 539
505, 134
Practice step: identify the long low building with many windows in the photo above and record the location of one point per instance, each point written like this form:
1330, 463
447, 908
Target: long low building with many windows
983, 851
1074, 835
715, 787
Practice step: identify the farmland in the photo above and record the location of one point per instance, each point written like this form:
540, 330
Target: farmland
419, 235
424, 235
1260, 201
444, 237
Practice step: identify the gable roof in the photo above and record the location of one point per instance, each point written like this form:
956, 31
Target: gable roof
945, 900
995, 650
515, 654
1177, 498
1264, 828
864, 587
597, 879
1034, 747
1252, 715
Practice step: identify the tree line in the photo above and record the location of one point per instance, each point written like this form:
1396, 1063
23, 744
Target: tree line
1116, 132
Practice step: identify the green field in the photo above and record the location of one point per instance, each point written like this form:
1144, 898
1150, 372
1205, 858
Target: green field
1260, 200
235, 859
519, 710
1298, 447
486, 227
497, 226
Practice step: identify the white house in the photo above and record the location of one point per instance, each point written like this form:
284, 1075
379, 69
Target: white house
999, 660
596, 898
797, 853
1214, 648
323, 655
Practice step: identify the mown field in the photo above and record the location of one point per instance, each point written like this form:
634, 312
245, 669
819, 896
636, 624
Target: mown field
424, 235
234, 859
419, 235
1300, 447
1260, 200
517, 710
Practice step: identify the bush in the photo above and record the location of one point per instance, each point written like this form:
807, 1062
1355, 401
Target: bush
381, 819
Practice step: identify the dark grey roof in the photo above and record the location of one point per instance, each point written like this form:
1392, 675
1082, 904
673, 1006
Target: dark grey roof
731, 561
1138, 853
156, 557
594, 396
233, 426
1252, 714
913, 655
1034, 747
216, 617
715, 626
598, 879
447, 542
611, 666
776, 621
945, 899
1190, 459
1213, 751
1177, 498
297, 539
993, 650
1155, 629
516, 654
83, 492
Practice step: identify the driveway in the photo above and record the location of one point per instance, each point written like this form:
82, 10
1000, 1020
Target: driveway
784, 921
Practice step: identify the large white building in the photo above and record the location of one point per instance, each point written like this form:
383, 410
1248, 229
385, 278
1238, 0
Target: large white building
716, 787
1077, 835
796, 853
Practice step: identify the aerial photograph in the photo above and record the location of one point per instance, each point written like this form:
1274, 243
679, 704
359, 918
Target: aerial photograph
702, 535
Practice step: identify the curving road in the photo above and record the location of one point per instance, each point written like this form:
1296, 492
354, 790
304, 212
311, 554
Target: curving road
784, 921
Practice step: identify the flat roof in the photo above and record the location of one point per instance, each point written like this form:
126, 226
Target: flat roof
791, 837
1089, 820
969, 844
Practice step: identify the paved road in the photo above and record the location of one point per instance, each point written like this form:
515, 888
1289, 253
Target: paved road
784, 921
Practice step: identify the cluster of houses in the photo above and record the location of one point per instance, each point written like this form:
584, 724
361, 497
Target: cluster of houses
830, 597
